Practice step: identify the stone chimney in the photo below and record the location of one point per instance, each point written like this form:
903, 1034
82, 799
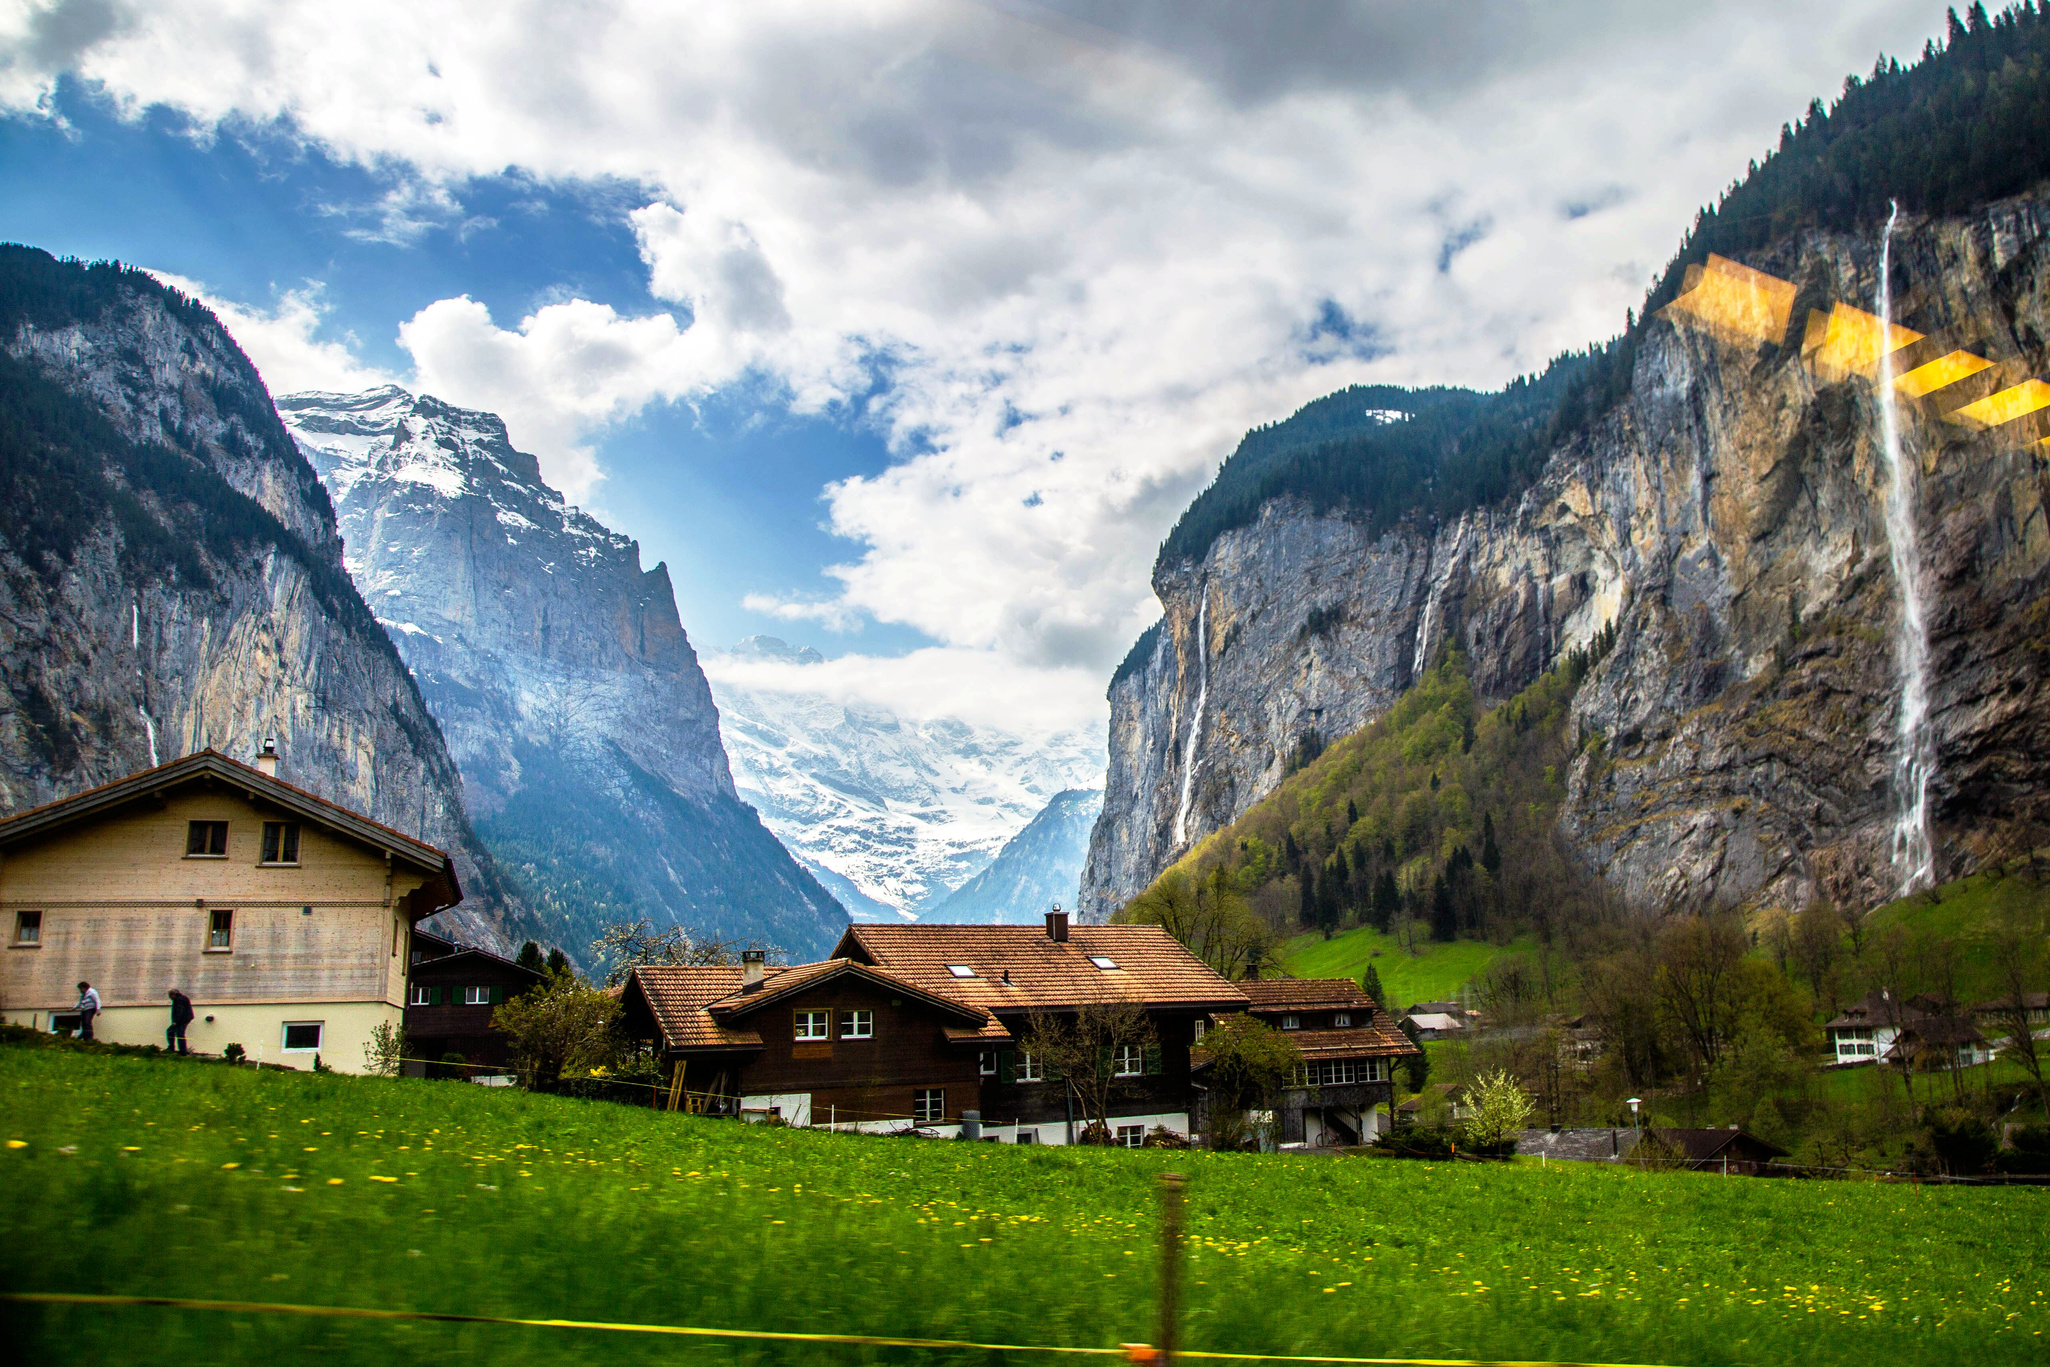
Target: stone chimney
267, 757
1057, 925
750, 970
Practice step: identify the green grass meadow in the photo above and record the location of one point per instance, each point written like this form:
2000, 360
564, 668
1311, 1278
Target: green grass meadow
1435, 972
187, 1179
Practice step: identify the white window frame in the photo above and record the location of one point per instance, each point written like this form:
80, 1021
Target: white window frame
1291, 1022
857, 1024
1131, 1136
1202, 1027
1029, 1069
986, 1063
220, 935
811, 1025
476, 996
1103, 961
1374, 1070
929, 1106
28, 929
419, 994
961, 970
285, 1034
1128, 1061
1341, 1020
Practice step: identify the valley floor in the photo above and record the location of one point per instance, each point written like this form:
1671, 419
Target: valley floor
193, 1179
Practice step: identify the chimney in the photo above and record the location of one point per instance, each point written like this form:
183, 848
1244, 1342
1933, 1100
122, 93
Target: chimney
750, 970
267, 757
1057, 925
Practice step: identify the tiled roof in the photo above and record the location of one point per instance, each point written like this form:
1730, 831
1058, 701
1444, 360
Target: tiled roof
1877, 1010
1378, 1040
1701, 1145
1151, 967
703, 1007
1305, 994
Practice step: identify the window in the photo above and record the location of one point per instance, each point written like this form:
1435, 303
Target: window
1030, 1069
929, 1105
206, 840
961, 970
1028, 1136
1202, 1025
476, 996
986, 1063
28, 927
220, 930
1130, 1061
280, 842
1101, 962
1341, 1019
857, 1024
417, 995
1291, 1022
1374, 1070
812, 1024
302, 1037
1132, 1136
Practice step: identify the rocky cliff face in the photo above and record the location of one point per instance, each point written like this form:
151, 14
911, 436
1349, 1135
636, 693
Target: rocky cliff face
170, 577
572, 699
1728, 519
892, 813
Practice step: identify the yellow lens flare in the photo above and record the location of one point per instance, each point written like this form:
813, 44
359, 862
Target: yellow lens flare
1848, 341
1734, 302
1996, 410
1939, 373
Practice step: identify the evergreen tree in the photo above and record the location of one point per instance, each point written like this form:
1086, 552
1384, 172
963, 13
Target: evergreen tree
558, 962
1491, 853
529, 956
1370, 983
1387, 899
1444, 919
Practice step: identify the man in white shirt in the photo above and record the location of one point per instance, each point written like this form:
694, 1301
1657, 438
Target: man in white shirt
88, 1007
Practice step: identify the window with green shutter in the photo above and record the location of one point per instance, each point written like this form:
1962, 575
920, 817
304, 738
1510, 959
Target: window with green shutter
1152, 1060
1007, 1066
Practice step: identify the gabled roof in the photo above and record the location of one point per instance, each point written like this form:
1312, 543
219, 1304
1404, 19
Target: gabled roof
1020, 968
469, 955
700, 1007
1433, 1022
1370, 1041
1879, 1010
1267, 995
211, 765
1699, 1146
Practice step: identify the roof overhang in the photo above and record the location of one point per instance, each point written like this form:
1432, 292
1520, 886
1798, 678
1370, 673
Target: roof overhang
441, 890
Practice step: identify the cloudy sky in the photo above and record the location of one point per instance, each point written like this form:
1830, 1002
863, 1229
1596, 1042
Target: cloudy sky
904, 329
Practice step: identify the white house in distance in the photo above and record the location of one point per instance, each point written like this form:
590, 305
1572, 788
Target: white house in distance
284, 917
1867, 1031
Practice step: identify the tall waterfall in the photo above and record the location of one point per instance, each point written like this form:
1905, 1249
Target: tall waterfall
1915, 762
1181, 816
1433, 597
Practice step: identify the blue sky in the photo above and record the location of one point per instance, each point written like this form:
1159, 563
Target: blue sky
986, 287
728, 493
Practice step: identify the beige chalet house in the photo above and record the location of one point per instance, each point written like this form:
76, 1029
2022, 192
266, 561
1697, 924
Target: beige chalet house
284, 917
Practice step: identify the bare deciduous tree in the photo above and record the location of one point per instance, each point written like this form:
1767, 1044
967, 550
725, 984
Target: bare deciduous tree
1208, 915
1092, 1049
627, 945
2018, 959
1698, 959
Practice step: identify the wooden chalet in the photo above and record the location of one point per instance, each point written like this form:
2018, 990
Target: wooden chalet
917, 1026
450, 996
285, 917
1349, 1046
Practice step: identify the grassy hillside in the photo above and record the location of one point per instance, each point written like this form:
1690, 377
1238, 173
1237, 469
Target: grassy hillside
1966, 913
128, 1175
1437, 821
1434, 972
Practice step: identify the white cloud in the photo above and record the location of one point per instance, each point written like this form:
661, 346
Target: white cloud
834, 616
1084, 244
281, 342
975, 686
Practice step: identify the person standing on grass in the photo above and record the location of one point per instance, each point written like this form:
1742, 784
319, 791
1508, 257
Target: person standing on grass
181, 1016
88, 1007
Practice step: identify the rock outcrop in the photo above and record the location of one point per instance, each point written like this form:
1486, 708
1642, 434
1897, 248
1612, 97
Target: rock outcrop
1728, 519
171, 578
1038, 868
558, 669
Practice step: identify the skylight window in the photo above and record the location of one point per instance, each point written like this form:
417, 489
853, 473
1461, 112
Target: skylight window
1101, 962
961, 970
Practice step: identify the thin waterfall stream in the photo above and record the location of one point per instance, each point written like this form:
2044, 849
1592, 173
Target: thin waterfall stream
1915, 759
1181, 816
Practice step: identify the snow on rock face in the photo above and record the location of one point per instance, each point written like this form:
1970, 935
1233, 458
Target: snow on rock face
558, 670
903, 810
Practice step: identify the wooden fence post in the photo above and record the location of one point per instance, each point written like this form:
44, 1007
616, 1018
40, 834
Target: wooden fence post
1171, 1187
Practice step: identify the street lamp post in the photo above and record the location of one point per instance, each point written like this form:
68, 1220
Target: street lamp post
1633, 1112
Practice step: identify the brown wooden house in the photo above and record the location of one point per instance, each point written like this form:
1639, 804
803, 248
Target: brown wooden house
1350, 1047
449, 1001
912, 1026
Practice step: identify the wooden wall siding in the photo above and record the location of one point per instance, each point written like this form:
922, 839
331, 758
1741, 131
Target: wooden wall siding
124, 909
875, 1077
1041, 1103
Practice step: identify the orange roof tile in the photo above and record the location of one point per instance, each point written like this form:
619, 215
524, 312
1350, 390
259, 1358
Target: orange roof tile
1018, 968
703, 1007
1368, 1041
1306, 994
